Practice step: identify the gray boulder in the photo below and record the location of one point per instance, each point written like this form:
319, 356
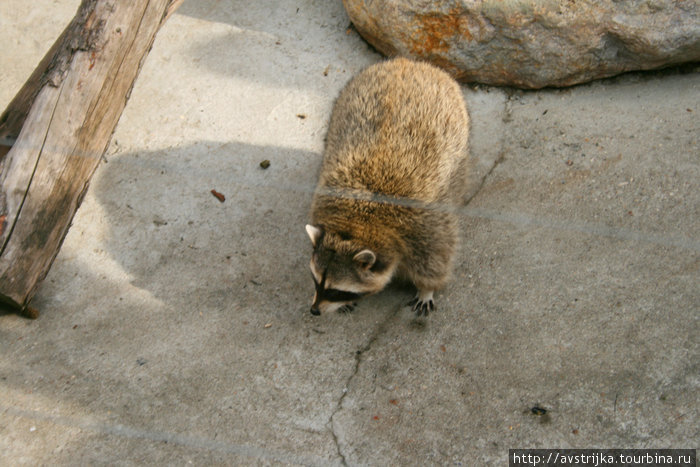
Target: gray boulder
533, 43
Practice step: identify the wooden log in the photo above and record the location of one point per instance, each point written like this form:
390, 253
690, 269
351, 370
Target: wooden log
57, 129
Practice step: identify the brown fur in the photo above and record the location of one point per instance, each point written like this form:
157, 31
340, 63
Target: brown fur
395, 160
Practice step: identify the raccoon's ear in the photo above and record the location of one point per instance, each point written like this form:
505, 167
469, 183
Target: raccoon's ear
314, 233
365, 258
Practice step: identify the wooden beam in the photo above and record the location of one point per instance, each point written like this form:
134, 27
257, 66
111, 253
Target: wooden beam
57, 128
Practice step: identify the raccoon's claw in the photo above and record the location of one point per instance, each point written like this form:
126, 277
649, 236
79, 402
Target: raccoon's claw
349, 308
422, 307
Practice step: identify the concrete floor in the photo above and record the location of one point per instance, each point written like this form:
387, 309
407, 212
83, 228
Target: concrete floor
174, 329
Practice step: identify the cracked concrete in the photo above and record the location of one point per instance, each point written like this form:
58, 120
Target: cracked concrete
174, 328
379, 330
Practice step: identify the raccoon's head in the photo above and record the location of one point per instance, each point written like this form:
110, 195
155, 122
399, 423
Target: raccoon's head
344, 270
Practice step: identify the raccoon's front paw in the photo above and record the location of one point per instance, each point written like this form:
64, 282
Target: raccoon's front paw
420, 307
349, 308
423, 303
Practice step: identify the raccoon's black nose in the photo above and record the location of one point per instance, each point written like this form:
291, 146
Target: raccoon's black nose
315, 311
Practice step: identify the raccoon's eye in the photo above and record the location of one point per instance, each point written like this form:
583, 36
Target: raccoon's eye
335, 295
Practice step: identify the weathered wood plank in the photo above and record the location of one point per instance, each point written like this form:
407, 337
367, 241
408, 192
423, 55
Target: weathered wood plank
76, 102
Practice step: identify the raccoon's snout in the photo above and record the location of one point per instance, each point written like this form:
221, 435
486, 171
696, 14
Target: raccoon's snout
315, 311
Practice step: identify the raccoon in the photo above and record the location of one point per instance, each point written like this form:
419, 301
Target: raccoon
395, 159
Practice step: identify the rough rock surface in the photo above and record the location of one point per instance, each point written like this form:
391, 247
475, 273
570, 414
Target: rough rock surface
533, 43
